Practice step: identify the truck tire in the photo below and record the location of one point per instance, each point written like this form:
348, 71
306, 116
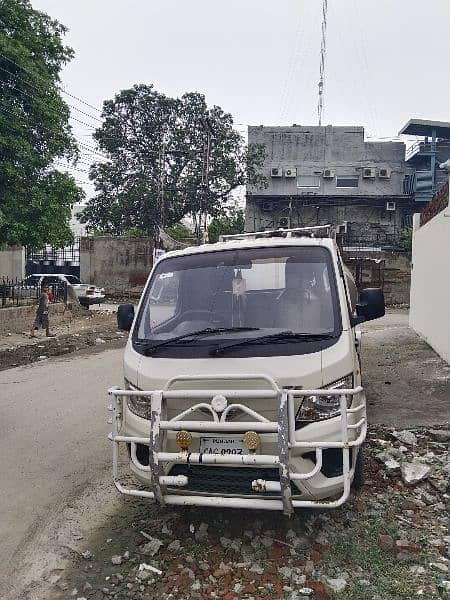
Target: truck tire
359, 477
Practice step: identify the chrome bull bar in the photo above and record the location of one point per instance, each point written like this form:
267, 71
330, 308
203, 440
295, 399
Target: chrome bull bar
284, 427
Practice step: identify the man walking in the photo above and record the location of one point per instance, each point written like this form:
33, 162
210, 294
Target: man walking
41, 319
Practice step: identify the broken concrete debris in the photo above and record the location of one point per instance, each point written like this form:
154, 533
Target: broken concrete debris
413, 472
229, 555
406, 437
151, 547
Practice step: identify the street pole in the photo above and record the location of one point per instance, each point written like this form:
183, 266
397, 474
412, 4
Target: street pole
206, 124
162, 161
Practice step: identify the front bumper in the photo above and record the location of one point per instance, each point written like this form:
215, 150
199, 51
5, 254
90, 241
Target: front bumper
281, 473
89, 300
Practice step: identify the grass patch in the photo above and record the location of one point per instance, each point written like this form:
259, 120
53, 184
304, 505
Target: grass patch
358, 546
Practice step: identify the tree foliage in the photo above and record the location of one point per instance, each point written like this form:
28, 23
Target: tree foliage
155, 169
179, 232
231, 222
35, 199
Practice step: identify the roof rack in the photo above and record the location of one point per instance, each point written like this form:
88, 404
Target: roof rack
312, 232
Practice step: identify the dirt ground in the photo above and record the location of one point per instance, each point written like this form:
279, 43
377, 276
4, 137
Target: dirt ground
388, 542
96, 329
406, 382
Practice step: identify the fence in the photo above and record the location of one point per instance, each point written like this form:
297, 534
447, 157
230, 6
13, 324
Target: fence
23, 292
376, 241
68, 254
54, 260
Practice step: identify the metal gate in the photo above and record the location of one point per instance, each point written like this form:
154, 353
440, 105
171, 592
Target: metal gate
368, 272
54, 260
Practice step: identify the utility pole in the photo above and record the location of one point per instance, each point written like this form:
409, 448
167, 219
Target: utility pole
203, 213
162, 177
323, 52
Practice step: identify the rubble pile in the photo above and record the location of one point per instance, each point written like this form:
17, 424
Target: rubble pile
389, 541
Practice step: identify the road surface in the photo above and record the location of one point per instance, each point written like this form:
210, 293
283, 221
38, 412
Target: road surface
52, 439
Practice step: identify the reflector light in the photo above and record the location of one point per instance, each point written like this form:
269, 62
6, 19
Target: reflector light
183, 439
251, 440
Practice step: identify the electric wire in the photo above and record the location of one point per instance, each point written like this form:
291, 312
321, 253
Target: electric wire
59, 88
291, 65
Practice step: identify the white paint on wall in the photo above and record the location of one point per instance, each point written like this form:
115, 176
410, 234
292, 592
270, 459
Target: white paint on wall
430, 282
12, 262
78, 228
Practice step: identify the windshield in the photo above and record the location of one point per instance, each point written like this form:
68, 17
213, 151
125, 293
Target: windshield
72, 279
269, 289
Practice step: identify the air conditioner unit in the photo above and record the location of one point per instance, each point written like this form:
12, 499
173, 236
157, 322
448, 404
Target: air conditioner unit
368, 172
342, 228
290, 172
283, 222
390, 205
329, 173
384, 173
266, 206
276, 172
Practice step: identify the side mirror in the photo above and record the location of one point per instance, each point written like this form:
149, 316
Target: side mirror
125, 316
370, 306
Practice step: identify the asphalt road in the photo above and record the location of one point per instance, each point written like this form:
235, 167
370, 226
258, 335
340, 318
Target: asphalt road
52, 439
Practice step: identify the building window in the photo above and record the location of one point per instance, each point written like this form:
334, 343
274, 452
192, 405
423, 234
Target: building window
349, 181
308, 181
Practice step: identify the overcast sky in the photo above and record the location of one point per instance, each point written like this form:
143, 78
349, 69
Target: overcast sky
387, 61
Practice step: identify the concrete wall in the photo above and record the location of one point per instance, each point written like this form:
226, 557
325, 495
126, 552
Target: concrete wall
366, 219
388, 270
12, 262
116, 263
78, 228
430, 282
19, 319
312, 149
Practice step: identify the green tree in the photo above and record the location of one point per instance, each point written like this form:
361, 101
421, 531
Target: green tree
179, 232
156, 151
231, 222
35, 199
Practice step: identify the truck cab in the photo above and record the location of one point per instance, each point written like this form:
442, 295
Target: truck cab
242, 376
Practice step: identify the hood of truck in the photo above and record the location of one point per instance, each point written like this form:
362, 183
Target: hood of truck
307, 370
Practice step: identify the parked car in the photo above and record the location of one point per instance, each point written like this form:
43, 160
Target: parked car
243, 384
87, 294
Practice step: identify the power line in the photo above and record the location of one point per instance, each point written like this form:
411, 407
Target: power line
15, 76
69, 116
40, 77
293, 66
70, 167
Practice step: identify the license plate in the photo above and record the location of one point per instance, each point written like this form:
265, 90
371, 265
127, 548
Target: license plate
222, 445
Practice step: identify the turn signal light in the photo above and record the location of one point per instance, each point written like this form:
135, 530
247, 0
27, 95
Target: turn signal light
183, 439
251, 440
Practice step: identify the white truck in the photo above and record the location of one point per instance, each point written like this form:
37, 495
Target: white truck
242, 376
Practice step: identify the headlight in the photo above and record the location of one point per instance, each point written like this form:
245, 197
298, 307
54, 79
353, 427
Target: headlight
318, 408
138, 405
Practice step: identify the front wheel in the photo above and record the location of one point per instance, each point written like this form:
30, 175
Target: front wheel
359, 476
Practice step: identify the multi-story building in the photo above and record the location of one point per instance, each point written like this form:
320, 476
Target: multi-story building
425, 156
321, 175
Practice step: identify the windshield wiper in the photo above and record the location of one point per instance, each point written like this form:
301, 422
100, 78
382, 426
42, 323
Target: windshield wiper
149, 348
274, 337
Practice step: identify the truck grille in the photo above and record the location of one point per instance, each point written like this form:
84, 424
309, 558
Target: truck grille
225, 480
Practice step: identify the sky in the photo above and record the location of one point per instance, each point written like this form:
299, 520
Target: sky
386, 61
